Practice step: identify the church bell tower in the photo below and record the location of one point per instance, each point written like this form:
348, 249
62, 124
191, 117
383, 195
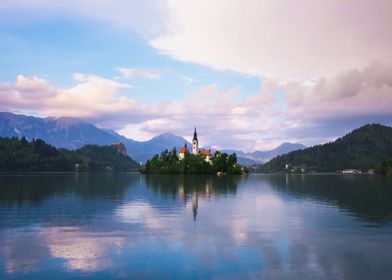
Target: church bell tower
195, 143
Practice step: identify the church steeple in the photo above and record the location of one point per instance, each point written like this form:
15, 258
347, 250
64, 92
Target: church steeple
195, 143
195, 135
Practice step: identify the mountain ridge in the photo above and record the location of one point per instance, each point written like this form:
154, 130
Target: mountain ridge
73, 133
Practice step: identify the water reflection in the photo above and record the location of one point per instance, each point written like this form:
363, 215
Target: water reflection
368, 197
191, 187
17, 189
169, 227
46, 198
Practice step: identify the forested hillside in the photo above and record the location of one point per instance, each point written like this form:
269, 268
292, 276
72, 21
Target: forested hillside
368, 147
21, 155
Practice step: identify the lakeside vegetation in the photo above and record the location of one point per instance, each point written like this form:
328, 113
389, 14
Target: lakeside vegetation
385, 167
368, 147
168, 163
20, 155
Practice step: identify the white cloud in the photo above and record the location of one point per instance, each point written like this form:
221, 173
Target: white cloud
188, 80
91, 98
129, 73
270, 38
278, 38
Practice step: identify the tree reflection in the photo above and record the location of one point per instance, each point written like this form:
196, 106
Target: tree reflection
366, 196
18, 189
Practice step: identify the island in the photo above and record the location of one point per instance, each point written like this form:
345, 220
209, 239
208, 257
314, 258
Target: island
198, 161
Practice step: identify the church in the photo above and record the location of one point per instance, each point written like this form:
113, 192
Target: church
195, 149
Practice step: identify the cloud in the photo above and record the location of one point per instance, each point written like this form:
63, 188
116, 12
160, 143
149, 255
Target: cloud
307, 111
294, 110
356, 92
188, 80
129, 73
271, 38
278, 38
330, 107
92, 98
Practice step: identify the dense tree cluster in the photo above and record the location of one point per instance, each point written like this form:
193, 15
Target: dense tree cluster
364, 148
385, 167
168, 163
22, 155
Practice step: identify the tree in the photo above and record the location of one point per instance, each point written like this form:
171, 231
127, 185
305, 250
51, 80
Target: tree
168, 163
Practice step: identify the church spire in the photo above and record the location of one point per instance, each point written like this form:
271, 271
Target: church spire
195, 143
195, 134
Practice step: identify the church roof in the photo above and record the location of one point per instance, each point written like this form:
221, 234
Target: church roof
184, 149
205, 153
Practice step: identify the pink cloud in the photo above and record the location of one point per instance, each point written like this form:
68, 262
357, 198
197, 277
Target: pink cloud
92, 96
259, 121
366, 91
278, 38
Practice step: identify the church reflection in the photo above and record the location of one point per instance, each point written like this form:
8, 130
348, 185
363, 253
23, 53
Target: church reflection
182, 195
195, 204
191, 189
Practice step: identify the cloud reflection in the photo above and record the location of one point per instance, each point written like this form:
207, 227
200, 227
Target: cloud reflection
76, 249
85, 251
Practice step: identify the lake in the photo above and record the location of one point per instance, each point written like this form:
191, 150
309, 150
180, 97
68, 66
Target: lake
67, 226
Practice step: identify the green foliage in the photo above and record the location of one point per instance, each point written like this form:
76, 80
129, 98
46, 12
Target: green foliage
385, 167
364, 148
168, 163
21, 155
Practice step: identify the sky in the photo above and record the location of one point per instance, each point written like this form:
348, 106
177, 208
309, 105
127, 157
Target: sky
249, 74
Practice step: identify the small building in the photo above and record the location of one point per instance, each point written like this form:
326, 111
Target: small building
183, 150
207, 155
351, 171
195, 149
120, 147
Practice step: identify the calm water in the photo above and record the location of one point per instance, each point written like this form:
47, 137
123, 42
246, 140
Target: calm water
63, 226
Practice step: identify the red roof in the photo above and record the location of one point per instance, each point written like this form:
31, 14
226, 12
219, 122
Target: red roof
183, 150
205, 153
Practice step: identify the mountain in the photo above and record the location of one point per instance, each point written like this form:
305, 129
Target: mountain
63, 132
74, 133
364, 148
156, 145
258, 157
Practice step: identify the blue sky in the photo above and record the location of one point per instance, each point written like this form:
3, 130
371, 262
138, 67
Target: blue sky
249, 75
56, 48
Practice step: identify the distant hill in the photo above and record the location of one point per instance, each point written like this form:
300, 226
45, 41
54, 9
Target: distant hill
258, 157
144, 150
159, 143
364, 148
